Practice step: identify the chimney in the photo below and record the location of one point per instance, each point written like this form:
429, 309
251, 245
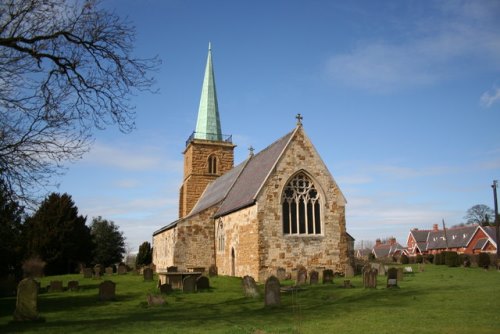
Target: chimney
435, 227
392, 241
378, 242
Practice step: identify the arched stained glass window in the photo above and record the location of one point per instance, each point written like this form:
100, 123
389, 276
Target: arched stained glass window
301, 207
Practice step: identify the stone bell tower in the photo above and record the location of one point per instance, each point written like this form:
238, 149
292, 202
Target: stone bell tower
208, 153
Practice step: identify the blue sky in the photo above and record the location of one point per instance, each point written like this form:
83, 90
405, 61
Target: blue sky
400, 98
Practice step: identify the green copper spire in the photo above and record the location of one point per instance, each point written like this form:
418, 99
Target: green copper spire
208, 124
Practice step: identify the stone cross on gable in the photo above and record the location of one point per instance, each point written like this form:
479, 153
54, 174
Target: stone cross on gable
250, 151
299, 119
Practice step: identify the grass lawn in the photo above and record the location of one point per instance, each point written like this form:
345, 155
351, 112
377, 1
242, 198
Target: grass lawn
438, 300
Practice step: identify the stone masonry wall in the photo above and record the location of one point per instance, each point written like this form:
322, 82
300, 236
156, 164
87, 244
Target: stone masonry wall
326, 251
163, 249
240, 230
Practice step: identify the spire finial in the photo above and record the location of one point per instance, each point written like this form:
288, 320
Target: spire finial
299, 119
250, 151
209, 46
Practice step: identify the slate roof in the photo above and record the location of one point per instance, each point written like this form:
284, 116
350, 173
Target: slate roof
385, 250
480, 243
456, 237
420, 237
490, 231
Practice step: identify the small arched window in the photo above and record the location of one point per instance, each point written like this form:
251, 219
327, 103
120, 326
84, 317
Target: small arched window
301, 207
221, 240
212, 164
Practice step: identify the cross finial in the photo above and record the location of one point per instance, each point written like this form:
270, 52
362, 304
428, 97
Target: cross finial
299, 119
250, 151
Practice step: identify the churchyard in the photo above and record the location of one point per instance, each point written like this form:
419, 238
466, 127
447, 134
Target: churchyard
437, 300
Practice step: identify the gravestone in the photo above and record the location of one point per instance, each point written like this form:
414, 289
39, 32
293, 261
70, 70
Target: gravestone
27, 301
148, 274
400, 274
165, 288
202, 283
122, 269
250, 287
347, 284
107, 290
370, 278
327, 276
313, 277
189, 284
272, 295
73, 286
56, 286
281, 274
349, 271
155, 300
212, 270
172, 269
97, 271
382, 270
392, 277
301, 275
87, 272
109, 270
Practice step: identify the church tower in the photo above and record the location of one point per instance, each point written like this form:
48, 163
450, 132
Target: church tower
208, 153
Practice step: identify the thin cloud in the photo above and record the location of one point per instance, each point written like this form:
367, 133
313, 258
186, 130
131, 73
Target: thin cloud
490, 97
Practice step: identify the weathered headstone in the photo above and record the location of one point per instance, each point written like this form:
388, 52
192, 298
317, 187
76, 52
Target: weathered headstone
212, 270
87, 272
148, 274
281, 274
250, 287
56, 286
27, 301
392, 277
370, 278
189, 284
327, 276
349, 271
73, 286
122, 269
313, 277
382, 270
202, 283
107, 290
272, 295
165, 288
155, 300
301, 275
400, 274
347, 284
172, 269
109, 270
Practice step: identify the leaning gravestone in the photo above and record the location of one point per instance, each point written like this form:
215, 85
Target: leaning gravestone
202, 283
313, 277
73, 286
109, 270
250, 287
272, 295
189, 284
87, 272
301, 275
212, 270
148, 274
107, 290
392, 278
27, 301
327, 276
56, 286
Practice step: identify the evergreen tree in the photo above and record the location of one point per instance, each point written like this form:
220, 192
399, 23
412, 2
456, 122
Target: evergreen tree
109, 242
145, 255
59, 235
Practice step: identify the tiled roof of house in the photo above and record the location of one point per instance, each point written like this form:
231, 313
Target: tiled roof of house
455, 237
385, 250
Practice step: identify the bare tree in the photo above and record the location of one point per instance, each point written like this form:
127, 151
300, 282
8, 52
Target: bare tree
479, 214
66, 68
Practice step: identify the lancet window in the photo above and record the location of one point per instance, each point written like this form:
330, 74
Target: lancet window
212, 164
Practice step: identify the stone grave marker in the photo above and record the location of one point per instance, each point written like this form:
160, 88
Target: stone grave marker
250, 287
272, 296
347, 284
189, 284
107, 290
155, 300
122, 269
27, 301
87, 272
97, 271
109, 270
212, 270
370, 278
349, 271
392, 277
202, 283
301, 275
281, 273
148, 274
56, 286
400, 274
313, 277
382, 270
165, 288
73, 286
327, 276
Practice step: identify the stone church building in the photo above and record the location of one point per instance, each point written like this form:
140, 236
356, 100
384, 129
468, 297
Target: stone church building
280, 208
